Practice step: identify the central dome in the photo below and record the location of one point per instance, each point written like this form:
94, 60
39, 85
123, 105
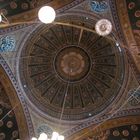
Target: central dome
64, 59
72, 63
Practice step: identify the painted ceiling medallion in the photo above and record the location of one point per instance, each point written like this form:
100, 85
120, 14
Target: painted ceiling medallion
9, 124
103, 27
99, 6
2, 136
72, 63
7, 43
137, 13
116, 133
134, 127
4, 11
13, 5
15, 134
24, 6
125, 133
131, 5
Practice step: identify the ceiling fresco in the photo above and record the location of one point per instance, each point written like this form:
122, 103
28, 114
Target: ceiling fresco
126, 132
69, 60
25, 12
69, 72
14, 7
120, 128
133, 7
8, 124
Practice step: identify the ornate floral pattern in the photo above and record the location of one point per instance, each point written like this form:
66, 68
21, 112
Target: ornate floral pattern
99, 6
7, 43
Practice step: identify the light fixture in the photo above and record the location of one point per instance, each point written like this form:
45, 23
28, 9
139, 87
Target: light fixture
60, 137
43, 136
33, 138
103, 27
55, 136
117, 44
46, 14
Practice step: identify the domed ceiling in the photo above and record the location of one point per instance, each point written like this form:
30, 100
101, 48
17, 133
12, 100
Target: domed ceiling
70, 67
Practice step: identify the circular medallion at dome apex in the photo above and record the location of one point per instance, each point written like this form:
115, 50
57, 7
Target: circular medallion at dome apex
60, 59
72, 63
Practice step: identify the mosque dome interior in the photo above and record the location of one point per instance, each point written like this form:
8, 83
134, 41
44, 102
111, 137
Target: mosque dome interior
66, 76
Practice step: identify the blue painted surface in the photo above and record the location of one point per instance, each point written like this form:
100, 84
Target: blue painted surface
97, 6
7, 43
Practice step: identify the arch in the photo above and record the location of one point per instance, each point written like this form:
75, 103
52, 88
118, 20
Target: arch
16, 104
